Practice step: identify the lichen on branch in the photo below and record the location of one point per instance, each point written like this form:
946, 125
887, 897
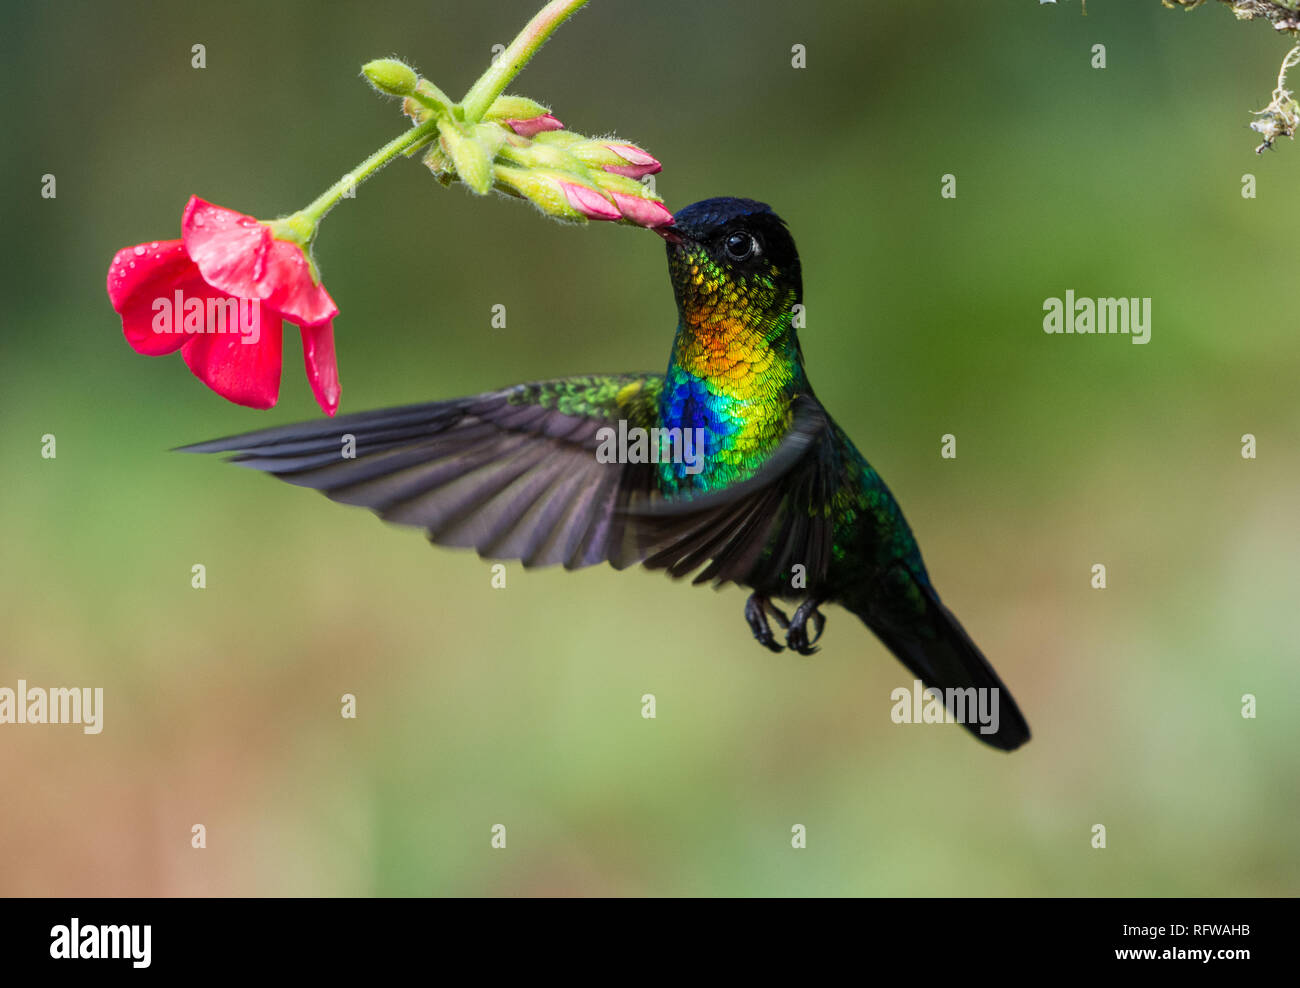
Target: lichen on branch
1282, 15
1281, 117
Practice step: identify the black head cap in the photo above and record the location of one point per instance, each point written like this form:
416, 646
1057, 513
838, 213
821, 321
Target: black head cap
742, 236
710, 215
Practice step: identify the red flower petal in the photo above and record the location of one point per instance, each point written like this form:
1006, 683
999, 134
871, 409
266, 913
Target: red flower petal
140, 276
245, 373
322, 367
293, 293
229, 248
227, 261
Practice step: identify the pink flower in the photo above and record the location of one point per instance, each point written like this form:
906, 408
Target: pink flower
218, 295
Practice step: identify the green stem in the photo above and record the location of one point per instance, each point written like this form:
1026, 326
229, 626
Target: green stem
313, 212
511, 61
301, 226
431, 97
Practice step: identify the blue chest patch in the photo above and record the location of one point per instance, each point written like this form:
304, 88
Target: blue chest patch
687, 403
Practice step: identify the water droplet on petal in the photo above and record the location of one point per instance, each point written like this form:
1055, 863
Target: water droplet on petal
154, 245
133, 264
198, 219
139, 251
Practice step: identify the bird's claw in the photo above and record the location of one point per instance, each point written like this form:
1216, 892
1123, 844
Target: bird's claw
757, 608
797, 635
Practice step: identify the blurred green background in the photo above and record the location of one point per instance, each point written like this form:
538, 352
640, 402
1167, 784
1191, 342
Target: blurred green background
522, 706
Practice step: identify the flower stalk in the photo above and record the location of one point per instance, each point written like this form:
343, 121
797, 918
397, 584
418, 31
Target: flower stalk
511, 62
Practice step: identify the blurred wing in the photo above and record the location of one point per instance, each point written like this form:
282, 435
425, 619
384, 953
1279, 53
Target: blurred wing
511, 473
514, 474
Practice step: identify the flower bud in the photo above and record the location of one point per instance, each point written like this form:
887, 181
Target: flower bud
560, 138
390, 76
472, 161
635, 203
534, 125
522, 115
618, 157
514, 108
643, 212
557, 193
530, 154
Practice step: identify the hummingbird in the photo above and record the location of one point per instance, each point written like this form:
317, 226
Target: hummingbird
745, 479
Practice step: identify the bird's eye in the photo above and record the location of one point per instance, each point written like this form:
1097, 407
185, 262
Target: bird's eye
741, 246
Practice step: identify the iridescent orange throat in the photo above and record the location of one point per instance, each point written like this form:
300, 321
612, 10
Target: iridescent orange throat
707, 296
735, 366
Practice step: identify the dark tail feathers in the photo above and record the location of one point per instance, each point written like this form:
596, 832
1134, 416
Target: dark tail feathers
938, 652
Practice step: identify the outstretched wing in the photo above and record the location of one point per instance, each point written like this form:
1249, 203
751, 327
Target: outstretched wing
511, 473
514, 474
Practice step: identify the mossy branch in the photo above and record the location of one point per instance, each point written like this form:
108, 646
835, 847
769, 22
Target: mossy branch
1280, 14
1281, 117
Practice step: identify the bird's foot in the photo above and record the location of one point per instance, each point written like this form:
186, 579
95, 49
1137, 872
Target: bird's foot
797, 635
757, 608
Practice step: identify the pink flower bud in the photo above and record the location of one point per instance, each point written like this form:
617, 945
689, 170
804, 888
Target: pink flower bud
534, 125
639, 162
589, 202
642, 212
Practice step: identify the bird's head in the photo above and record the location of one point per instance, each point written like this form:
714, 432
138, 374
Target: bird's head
733, 260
